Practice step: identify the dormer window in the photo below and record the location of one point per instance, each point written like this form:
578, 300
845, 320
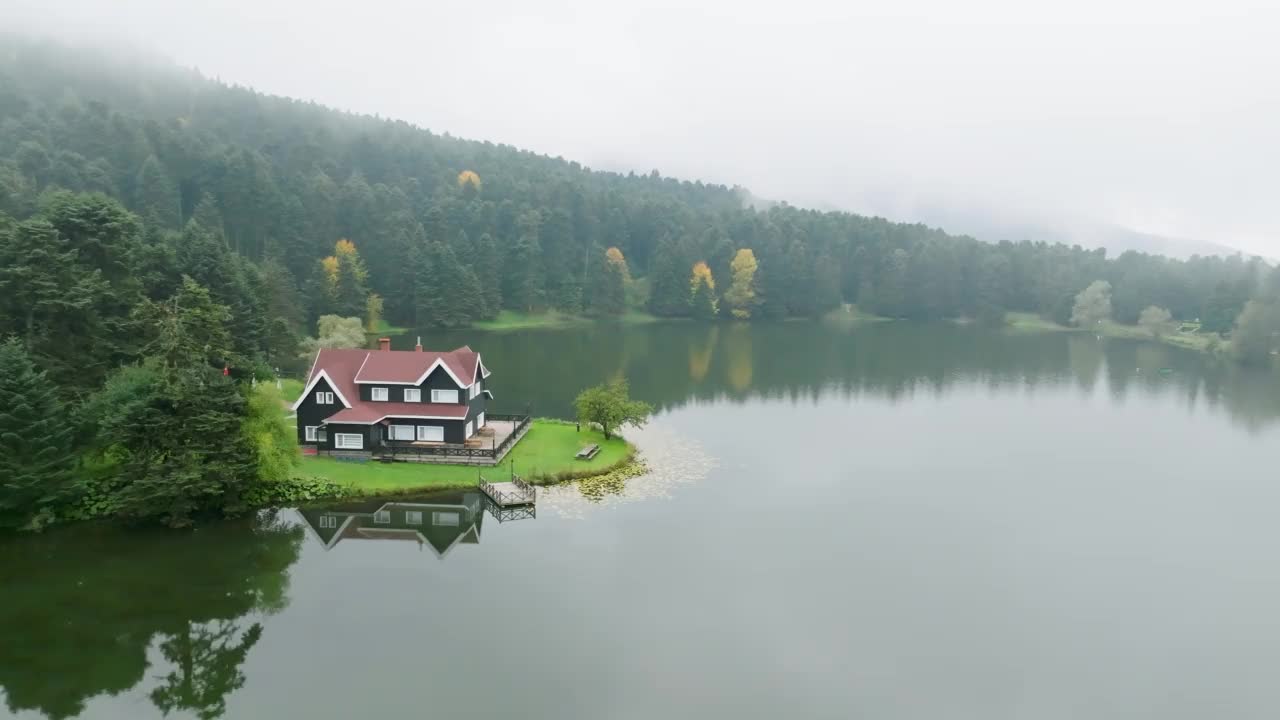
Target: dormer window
324, 398
414, 395
444, 396
379, 394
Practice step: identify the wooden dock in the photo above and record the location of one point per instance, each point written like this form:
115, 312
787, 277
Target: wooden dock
515, 493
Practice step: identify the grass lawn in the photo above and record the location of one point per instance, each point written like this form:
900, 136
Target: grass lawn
852, 314
513, 320
385, 328
1204, 342
291, 389
1031, 322
546, 450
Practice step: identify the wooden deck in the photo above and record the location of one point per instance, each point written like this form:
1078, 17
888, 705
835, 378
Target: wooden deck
509, 494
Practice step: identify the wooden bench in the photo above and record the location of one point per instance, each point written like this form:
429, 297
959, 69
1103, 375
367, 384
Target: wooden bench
588, 452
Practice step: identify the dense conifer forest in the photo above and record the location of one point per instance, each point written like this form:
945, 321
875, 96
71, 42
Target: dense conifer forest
165, 238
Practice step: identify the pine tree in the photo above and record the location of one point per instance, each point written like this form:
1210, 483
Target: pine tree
175, 424
489, 274
155, 194
36, 458
669, 286
351, 292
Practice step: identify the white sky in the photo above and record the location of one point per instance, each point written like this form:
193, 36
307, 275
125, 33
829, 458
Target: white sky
1160, 115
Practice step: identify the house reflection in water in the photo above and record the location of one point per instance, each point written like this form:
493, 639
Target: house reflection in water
439, 522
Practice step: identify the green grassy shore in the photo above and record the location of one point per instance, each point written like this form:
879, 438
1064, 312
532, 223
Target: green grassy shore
544, 455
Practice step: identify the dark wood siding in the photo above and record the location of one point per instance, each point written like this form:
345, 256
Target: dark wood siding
453, 429
437, 380
309, 413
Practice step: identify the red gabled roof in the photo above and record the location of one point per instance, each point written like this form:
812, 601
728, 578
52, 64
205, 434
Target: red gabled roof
410, 367
344, 369
368, 413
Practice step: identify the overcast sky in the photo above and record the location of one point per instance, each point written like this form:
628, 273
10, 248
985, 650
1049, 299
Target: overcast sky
1159, 115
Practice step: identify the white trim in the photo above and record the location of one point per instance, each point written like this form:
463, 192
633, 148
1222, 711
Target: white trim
328, 522
408, 390
422, 436
337, 441
484, 371
311, 433
487, 392
395, 415
455, 401
373, 394
439, 362
312, 386
392, 432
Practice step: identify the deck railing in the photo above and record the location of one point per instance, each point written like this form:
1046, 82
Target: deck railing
396, 449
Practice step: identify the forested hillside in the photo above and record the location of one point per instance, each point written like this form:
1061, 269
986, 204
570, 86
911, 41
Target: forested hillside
448, 231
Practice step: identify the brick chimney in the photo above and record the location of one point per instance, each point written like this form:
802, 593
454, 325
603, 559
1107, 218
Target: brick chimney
384, 344
419, 346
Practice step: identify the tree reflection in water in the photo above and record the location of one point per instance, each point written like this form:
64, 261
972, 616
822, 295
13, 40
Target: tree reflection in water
83, 605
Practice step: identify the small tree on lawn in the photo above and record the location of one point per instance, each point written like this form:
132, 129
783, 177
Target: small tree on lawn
610, 406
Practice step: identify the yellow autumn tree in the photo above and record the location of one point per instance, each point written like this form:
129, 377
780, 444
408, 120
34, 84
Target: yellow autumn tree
468, 180
702, 292
330, 265
742, 290
614, 257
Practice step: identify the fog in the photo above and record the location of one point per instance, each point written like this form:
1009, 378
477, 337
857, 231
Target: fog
1160, 116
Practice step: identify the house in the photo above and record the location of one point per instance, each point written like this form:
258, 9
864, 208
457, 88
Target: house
441, 525
367, 402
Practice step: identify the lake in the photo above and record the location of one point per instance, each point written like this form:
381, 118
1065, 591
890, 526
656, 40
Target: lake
878, 521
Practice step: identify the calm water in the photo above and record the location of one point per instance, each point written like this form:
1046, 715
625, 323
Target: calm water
885, 522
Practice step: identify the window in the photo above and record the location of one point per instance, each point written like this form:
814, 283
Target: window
469, 430
382, 517
413, 517
324, 398
447, 519
380, 394
412, 395
475, 390
400, 432
480, 420
328, 522
312, 433
349, 441
444, 396
431, 433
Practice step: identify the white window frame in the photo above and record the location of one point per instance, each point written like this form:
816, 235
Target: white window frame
324, 398
341, 441
413, 517
469, 430
479, 420
444, 396
438, 518
475, 390
408, 430
382, 517
312, 433
379, 394
328, 522
422, 433
412, 395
